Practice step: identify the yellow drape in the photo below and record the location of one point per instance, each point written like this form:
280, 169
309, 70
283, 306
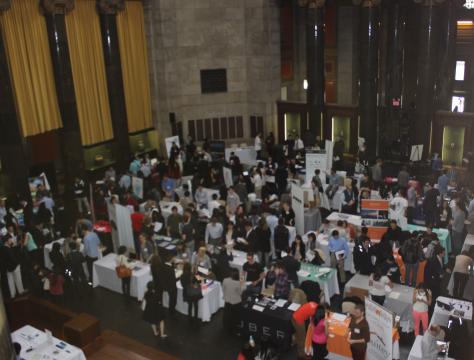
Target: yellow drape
133, 55
29, 58
88, 71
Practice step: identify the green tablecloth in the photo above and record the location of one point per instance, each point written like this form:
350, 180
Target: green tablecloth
327, 282
444, 237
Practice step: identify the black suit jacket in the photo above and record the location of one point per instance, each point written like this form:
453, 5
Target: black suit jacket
433, 272
168, 278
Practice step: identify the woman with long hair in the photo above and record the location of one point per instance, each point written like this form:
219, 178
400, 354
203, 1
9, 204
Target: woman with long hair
153, 310
263, 235
320, 333
421, 303
379, 283
191, 290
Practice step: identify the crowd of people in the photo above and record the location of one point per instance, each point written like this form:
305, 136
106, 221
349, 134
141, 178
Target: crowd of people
252, 216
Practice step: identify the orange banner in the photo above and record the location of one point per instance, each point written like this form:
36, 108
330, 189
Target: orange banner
376, 232
367, 204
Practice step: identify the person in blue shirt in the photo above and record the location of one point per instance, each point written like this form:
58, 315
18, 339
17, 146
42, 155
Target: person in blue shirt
135, 166
336, 245
443, 182
91, 249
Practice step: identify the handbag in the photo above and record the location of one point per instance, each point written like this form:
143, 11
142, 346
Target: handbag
123, 271
194, 293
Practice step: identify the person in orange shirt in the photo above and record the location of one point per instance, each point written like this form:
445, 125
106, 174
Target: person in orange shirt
298, 320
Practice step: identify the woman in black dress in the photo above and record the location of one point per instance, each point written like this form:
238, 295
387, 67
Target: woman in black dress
191, 290
153, 310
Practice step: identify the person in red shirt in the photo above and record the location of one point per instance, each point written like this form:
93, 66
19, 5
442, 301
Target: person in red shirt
298, 320
137, 224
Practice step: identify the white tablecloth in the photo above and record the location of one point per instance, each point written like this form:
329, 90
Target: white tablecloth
329, 285
323, 244
355, 220
31, 338
292, 231
105, 276
247, 155
441, 316
335, 203
399, 302
415, 353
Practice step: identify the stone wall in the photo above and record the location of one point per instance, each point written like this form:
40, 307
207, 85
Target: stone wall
185, 36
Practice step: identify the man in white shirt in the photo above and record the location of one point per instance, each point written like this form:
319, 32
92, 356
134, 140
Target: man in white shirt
214, 232
258, 145
397, 210
201, 197
213, 204
299, 145
233, 200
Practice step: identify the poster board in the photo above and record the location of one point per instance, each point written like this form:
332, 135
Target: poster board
137, 187
227, 176
374, 208
169, 143
375, 233
380, 321
316, 161
416, 152
297, 203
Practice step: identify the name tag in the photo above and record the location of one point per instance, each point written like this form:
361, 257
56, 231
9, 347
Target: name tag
357, 331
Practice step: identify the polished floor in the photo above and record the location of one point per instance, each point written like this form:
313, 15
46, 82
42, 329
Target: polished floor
187, 340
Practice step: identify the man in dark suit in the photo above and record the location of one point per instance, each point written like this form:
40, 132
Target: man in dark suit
363, 257
74, 261
168, 281
292, 266
434, 273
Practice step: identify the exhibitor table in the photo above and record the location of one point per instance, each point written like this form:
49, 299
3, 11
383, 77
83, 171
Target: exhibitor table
323, 244
324, 276
264, 318
105, 276
36, 345
399, 300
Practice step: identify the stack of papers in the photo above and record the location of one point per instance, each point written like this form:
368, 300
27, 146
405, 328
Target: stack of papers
258, 308
280, 303
394, 295
338, 317
303, 273
294, 307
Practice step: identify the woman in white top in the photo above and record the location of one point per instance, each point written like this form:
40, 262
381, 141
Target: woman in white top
378, 286
421, 303
258, 145
257, 183
122, 260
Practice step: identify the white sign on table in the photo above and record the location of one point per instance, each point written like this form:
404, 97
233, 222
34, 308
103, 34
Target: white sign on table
316, 161
329, 152
380, 323
297, 203
169, 143
227, 176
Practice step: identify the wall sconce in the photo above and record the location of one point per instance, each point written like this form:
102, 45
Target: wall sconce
305, 84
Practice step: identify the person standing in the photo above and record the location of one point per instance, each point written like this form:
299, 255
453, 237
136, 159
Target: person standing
412, 254
153, 310
464, 262
299, 318
378, 283
443, 182
191, 291
430, 205
403, 178
80, 195
421, 303
13, 267
434, 273
411, 199
168, 282
457, 228
263, 234
377, 177
258, 145
359, 333
91, 249
232, 289
74, 261
122, 260
338, 250
320, 334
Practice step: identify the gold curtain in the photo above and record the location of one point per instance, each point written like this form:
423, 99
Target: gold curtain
88, 72
133, 55
26, 43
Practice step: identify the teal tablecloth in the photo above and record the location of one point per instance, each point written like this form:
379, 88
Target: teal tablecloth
327, 281
444, 237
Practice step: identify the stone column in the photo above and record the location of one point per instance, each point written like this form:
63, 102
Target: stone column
368, 71
429, 34
12, 152
394, 74
107, 11
6, 348
71, 151
447, 54
314, 65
